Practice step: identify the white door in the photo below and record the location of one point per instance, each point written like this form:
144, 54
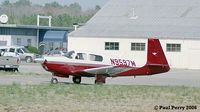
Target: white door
193, 60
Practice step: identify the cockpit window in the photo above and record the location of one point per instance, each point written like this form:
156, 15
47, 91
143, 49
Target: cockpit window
81, 56
94, 57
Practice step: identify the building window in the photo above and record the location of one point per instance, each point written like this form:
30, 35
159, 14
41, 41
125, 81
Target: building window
138, 46
173, 48
29, 42
19, 41
18, 31
111, 45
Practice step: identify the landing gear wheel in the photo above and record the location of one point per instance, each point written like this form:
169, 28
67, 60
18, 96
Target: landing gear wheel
76, 79
28, 59
54, 81
100, 79
16, 69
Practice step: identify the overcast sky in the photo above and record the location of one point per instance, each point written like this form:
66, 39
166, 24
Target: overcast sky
84, 3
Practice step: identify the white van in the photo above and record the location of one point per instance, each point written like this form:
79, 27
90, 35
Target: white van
23, 53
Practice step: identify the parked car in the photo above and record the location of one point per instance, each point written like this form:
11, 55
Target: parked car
9, 63
23, 53
56, 53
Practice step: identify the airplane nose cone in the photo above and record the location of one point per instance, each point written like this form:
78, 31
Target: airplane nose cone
44, 65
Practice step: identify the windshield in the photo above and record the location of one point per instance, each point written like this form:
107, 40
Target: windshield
25, 50
70, 54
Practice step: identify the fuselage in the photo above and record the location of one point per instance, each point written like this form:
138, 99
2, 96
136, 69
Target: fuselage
63, 66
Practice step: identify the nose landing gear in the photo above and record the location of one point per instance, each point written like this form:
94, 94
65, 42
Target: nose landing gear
54, 81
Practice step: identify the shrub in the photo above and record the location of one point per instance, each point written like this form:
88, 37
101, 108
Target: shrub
33, 49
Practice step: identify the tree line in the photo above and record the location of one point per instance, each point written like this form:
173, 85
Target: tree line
24, 12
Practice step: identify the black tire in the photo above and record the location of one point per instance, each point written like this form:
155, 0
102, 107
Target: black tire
76, 79
28, 59
16, 69
54, 81
95, 81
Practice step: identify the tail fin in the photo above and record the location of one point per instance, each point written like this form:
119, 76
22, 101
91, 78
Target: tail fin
155, 54
156, 60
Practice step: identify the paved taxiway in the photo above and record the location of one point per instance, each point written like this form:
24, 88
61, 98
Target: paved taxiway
176, 77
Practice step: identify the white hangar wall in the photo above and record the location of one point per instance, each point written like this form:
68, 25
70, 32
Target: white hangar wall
193, 54
11, 40
187, 58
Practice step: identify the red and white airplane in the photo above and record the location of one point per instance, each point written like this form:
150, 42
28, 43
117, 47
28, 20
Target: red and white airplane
79, 64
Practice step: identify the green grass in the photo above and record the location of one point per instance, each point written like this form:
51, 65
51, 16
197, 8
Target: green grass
76, 98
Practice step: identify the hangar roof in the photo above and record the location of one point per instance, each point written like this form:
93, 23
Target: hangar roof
151, 18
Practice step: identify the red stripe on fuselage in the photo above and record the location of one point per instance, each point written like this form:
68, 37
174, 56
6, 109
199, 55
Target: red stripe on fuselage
66, 69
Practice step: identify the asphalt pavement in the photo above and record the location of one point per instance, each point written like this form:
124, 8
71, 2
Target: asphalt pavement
175, 77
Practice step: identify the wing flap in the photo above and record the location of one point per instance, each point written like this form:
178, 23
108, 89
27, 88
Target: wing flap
99, 70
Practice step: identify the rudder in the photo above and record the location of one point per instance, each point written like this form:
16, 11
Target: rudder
156, 61
155, 54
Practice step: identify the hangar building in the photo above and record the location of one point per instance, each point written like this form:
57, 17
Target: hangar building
121, 28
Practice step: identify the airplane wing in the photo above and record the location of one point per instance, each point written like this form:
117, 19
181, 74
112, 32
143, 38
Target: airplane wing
107, 70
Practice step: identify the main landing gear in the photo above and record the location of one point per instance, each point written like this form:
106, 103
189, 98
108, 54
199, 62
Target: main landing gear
76, 79
100, 79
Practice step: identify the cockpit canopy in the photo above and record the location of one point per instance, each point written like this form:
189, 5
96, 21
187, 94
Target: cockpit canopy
84, 56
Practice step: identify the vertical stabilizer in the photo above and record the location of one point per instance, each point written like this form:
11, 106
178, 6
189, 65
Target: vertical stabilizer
155, 54
156, 61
